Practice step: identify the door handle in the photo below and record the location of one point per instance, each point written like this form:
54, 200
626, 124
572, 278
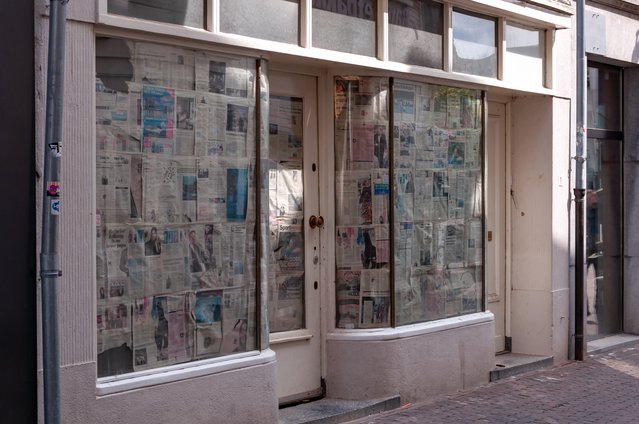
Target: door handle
316, 221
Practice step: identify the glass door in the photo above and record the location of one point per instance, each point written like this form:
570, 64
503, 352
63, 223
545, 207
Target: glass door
294, 297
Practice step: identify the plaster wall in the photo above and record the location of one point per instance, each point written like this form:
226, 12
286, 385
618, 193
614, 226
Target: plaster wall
621, 32
416, 367
540, 207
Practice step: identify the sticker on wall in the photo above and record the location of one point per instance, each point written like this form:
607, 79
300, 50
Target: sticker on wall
55, 206
56, 148
53, 189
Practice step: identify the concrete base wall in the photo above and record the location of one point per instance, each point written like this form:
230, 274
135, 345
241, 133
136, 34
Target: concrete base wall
414, 366
240, 396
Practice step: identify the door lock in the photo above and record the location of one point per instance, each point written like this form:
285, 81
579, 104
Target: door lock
316, 221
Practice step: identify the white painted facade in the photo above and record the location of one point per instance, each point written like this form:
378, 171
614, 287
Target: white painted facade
416, 361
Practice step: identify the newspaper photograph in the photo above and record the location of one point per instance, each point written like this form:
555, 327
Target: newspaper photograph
362, 247
162, 331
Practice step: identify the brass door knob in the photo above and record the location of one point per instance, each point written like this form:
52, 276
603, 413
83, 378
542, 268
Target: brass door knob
316, 221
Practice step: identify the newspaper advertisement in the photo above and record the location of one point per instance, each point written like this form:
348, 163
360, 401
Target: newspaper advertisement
170, 189
158, 119
162, 331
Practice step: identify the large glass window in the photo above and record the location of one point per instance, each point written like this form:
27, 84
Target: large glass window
436, 205
474, 44
415, 32
181, 12
175, 215
525, 53
275, 20
346, 26
604, 97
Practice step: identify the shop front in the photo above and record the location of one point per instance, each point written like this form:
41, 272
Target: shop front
340, 203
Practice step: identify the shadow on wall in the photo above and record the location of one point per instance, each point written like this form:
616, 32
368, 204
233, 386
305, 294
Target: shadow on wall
635, 51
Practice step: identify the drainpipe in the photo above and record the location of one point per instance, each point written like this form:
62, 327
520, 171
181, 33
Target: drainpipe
50, 272
580, 189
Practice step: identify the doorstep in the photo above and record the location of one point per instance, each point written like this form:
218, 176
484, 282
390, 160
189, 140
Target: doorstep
333, 411
611, 342
509, 364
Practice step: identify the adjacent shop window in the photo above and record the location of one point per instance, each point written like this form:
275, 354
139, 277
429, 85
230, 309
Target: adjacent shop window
474, 44
525, 53
435, 161
415, 33
345, 25
604, 97
181, 12
276, 20
175, 195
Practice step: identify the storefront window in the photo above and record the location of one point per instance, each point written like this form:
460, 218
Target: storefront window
181, 12
525, 53
436, 209
275, 20
437, 206
175, 205
415, 32
474, 44
344, 25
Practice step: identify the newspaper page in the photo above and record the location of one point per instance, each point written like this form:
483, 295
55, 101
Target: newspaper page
474, 242
354, 197
286, 128
117, 281
210, 125
410, 295
170, 189
348, 291
162, 331
113, 120
423, 196
113, 324
286, 302
381, 193
119, 187
375, 299
404, 102
404, 190
185, 122
403, 249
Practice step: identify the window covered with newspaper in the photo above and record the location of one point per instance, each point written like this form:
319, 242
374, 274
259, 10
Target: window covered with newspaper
430, 259
175, 205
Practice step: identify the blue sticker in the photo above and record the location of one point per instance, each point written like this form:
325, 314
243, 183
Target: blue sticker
55, 206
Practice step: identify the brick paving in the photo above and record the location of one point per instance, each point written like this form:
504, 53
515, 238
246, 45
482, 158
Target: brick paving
602, 389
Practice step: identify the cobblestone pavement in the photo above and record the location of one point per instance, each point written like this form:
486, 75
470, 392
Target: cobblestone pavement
602, 389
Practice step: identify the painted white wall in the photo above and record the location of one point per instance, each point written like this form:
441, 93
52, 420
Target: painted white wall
416, 366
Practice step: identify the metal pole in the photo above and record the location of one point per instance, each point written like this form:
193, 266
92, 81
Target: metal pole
580, 189
49, 258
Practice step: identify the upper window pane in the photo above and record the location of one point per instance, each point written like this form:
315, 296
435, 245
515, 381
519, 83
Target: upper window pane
415, 32
524, 54
346, 26
180, 12
474, 44
275, 20
604, 97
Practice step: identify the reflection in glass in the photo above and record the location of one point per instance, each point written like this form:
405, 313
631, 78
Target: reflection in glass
362, 195
345, 26
415, 32
524, 54
180, 12
437, 174
275, 20
474, 44
603, 237
175, 220
286, 214
604, 97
